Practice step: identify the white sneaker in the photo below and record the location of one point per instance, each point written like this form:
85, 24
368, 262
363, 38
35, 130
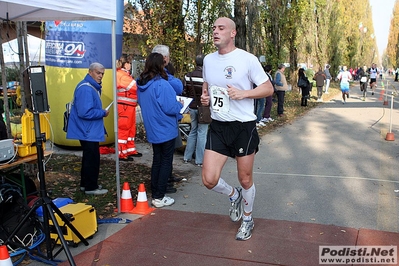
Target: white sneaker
245, 230
166, 201
261, 124
96, 192
264, 120
83, 188
270, 119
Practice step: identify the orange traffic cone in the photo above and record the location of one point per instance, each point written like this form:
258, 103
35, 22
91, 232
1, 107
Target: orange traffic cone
5, 259
126, 199
142, 206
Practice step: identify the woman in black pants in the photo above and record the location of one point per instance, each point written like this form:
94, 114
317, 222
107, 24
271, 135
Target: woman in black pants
304, 84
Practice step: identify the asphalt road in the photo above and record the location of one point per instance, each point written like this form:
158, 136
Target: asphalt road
332, 166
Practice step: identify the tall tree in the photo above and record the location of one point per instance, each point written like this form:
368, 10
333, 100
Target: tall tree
392, 50
240, 14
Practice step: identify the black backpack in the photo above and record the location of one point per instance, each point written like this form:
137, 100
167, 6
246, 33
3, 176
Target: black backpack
12, 210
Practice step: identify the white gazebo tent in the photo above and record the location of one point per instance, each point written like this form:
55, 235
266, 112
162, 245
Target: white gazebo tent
47, 10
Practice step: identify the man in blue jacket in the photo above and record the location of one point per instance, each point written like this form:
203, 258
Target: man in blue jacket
86, 125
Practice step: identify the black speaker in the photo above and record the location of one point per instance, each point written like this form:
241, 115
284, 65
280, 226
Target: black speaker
35, 89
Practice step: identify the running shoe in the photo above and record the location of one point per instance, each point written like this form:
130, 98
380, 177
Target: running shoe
270, 119
165, 201
260, 124
236, 208
245, 230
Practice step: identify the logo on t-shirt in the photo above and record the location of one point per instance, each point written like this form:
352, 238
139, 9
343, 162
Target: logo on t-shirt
229, 72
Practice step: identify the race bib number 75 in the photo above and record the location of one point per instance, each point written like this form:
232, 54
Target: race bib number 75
219, 99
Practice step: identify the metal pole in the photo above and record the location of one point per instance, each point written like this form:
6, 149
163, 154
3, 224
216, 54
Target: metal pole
390, 120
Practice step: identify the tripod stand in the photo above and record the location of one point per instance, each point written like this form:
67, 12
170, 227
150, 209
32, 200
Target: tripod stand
48, 206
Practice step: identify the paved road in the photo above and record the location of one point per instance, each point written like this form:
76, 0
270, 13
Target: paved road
332, 166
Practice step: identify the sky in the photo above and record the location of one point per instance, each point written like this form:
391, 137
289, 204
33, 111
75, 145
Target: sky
382, 14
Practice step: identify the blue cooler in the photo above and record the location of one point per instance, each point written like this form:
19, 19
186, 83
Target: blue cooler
59, 202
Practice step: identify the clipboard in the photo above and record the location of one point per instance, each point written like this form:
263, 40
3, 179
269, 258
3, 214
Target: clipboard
186, 101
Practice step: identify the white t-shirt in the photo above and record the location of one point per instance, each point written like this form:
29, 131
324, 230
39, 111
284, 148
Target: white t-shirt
344, 76
239, 69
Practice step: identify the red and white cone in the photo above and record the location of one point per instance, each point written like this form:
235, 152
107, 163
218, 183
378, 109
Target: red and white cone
5, 259
142, 206
126, 199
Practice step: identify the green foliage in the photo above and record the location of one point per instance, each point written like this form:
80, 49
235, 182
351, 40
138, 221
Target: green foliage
12, 74
314, 32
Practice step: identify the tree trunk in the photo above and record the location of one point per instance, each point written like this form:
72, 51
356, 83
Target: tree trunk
240, 15
4, 85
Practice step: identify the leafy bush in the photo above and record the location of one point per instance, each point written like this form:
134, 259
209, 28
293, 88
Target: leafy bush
12, 74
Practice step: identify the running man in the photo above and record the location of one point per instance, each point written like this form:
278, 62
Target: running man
229, 75
373, 72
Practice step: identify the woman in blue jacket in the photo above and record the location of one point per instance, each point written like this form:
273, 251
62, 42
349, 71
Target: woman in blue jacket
160, 110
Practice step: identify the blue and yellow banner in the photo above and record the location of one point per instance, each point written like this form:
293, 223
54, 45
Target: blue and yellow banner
71, 46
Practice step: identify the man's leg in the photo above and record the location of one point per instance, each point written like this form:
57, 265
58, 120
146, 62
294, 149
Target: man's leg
211, 170
200, 144
192, 136
131, 145
245, 176
90, 165
327, 85
123, 130
280, 102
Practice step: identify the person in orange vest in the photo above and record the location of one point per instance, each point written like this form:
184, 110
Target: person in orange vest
127, 102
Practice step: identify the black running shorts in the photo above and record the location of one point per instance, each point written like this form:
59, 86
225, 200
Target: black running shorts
233, 138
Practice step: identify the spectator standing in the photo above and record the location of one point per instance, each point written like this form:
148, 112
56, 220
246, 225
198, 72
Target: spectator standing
127, 101
177, 85
269, 99
328, 77
281, 87
86, 125
161, 111
304, 84
229, 77
320, 77
197, 137
260, 109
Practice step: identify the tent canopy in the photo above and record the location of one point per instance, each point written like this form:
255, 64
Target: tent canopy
39, 10
66, 10
35, 46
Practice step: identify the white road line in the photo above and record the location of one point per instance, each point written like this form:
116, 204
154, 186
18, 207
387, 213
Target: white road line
329, 176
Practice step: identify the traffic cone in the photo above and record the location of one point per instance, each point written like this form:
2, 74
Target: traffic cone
390, 136
126, 199
142, 206
5, 259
